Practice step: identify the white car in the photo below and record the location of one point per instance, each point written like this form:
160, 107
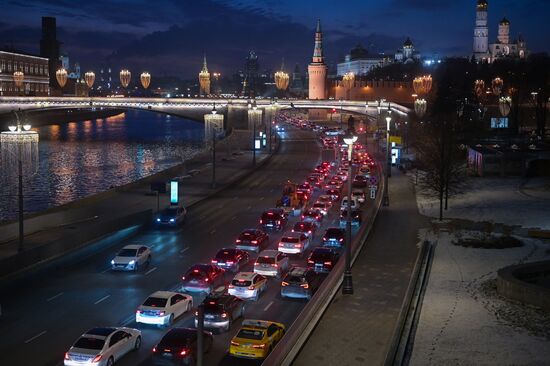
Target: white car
354, 203
247, 285
323, 207
325, 198
294, 243
359, 195
103, 346
131, 257
271, 263
162, 307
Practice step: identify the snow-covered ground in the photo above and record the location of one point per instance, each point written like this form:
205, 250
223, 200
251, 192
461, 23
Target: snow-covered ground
465, 322
499, 200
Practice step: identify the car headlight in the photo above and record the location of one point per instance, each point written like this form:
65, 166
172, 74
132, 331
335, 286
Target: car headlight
158, 219
132, 262
113, 262
172, 220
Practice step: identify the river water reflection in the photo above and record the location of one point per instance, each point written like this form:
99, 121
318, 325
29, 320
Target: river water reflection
82, 158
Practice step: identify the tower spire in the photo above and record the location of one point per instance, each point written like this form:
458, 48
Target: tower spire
318, 50
204, 66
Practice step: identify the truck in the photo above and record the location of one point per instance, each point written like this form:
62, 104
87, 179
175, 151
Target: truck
290, 201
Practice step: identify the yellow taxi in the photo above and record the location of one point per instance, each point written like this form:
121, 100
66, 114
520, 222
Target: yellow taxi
256, 338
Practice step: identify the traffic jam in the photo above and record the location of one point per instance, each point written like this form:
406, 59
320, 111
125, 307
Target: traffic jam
292, 246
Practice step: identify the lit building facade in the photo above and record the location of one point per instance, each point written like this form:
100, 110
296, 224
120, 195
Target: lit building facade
317, 69
359, 62
36, 74
407, 53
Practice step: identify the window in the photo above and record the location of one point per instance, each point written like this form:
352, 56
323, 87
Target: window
175, 299
271, 330
115, 338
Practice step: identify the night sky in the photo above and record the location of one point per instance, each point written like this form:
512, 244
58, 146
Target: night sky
168, 37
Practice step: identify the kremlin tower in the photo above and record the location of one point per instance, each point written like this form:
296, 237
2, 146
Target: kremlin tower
481, 32
317, 69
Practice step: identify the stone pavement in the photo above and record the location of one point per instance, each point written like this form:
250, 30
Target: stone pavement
357, 329
100, 209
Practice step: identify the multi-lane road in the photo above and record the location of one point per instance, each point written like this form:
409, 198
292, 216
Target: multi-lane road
46, 313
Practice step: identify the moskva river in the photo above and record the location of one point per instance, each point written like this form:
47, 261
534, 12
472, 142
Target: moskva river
81, 158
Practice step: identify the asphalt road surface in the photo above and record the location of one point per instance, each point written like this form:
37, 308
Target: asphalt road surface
46, 313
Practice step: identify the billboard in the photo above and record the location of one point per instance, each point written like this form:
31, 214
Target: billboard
499, 122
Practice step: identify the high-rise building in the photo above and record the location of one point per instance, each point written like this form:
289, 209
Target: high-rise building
49, 47
317, 69
251, 71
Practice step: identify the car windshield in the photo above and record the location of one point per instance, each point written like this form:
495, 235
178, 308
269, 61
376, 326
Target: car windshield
290, 240
270, 216
251, 334
294, 278
170, 212
157, 302
301, 226
321, 255
212, 306
127, 253
177, 337
334, 233
266, 260
319, 205
89, 343
241, 283
226, 254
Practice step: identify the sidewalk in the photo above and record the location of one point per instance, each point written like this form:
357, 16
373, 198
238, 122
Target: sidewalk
357, 329
92, 215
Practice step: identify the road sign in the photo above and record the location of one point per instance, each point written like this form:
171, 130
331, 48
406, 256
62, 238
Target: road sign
372, 193
373, 180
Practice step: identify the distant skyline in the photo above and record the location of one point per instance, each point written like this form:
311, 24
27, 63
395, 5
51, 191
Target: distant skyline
171, 36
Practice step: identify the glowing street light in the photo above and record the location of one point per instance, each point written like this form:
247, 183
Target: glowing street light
61, 76
347, 286
90, 78
496, 86
145, 79
420, 107
504, 105
125, 77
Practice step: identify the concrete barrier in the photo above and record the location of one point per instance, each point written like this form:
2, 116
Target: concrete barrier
516, 283
538, 233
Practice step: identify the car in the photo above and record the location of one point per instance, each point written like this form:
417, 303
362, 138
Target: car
220, 311
306, 227
179, 347
322, 259
302, 196
344, 204
103, 346
323, 207
364, 171
256, 338
231, 259
271, 263
325, 198
171, 216
342, 175
162, 307
359, 194
274, 218
312, 215
300, 283
202, 278
252, 239
355, 217
334, 194
131, 257
248, 285
333, 184
314, 181
294, 243
359, 181
334, 237
305, 187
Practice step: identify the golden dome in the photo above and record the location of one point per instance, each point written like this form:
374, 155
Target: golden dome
482, 4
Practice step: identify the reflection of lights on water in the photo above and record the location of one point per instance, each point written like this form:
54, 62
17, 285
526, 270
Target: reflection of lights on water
118, 118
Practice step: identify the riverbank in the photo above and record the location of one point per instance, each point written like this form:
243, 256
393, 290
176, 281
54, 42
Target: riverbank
58, 116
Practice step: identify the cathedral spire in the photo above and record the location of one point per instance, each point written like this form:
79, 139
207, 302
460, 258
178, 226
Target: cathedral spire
204, 66
318, 50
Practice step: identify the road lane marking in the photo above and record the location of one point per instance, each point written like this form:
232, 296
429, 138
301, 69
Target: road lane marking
233, 218
184, 250
213, 231
36, 336
271, 190
268, 306
151, 270
262, 198
102, 299
55, 296
128, 320
108, 269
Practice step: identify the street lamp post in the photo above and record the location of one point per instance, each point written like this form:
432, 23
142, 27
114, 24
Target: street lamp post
347, 287
386, 198
213, 123
200, 334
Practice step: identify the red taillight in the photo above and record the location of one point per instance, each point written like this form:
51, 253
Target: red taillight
254, 242
251, 288
224, 315
138, 311
154, 349
183, 278
96, 359
230, 286
183, 352
275, 265
196, 313
239, 240
309, 232
230, 262
341, 239
324, 238
206, 279
304, 285
214, 261
303, 217
284, 283
311, 262
328, 263
261, 221
261, 346
233, 343
297, 245
67, 356
162, 313
278, 222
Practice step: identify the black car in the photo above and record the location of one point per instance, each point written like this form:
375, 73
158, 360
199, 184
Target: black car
220, 311
171, 216
179, 347
274, 218
252, 239
334, 194
231, 259
334, 237
360, 181
322, 259
300, 283
355, 217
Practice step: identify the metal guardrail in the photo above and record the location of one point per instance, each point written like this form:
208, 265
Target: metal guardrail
297, 334
403, 336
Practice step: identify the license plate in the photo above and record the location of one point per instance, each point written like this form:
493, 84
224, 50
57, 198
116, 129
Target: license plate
209, 316
167, 355
270, 225
221, 264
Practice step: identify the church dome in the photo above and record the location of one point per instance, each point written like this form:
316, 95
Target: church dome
358, 53
504, 21
407, 43
482, 4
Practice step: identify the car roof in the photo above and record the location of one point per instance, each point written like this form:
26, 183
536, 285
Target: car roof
292, 235
297, 271
268, 253
164, 294
101, 331
246, 276
133, 246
